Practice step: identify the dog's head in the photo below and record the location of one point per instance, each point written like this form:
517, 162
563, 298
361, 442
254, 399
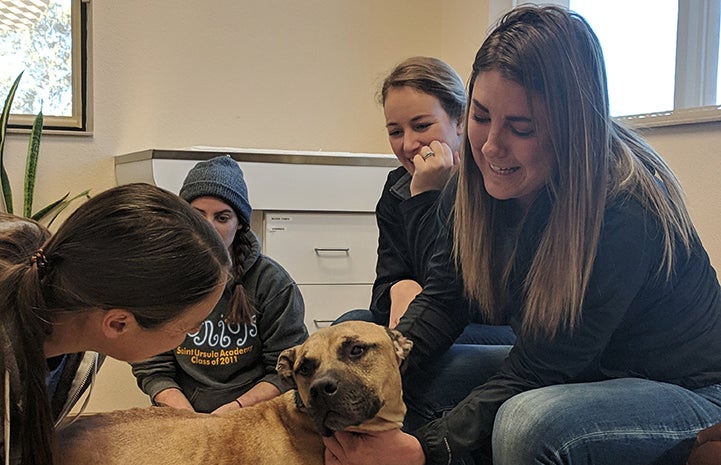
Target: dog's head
348, 376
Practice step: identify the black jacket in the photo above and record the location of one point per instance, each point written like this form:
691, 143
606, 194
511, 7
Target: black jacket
407, 229
635, 323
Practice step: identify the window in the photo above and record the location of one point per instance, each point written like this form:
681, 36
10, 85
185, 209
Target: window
46, 41
640, 55
662, 57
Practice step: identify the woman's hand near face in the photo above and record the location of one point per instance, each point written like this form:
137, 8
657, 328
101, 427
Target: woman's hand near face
432, 173
384, 448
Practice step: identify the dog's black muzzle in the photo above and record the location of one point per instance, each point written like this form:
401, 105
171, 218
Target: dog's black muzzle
338, 401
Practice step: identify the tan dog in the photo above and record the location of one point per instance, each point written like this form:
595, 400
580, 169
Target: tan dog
347, 378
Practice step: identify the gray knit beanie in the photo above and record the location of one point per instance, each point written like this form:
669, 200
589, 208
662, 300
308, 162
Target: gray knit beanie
219, 177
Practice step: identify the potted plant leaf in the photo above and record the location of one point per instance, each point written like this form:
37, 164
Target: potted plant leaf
49, 213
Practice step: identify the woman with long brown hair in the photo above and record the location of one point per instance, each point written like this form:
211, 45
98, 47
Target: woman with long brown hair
575, 229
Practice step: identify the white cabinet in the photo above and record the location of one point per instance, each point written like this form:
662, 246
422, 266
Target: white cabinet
331, 256
326, 302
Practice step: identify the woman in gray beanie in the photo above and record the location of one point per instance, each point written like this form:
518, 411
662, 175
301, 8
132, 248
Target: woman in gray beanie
229, 362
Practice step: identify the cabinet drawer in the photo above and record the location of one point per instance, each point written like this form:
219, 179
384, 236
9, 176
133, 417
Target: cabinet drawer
323, 248
325, 303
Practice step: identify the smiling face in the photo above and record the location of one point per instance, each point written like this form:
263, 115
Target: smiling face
508, 138
415, 119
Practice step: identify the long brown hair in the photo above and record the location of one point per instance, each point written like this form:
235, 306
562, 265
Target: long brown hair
554, 54
135, 247
20, 238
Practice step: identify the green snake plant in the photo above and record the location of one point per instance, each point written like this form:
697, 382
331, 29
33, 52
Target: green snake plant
49, 213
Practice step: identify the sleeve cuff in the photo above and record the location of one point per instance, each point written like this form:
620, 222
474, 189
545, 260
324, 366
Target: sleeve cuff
435, 443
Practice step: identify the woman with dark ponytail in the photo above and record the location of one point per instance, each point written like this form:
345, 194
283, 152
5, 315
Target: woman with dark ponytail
127, 275
229, 363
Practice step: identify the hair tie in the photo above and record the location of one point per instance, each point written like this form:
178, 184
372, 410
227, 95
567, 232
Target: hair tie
39, 259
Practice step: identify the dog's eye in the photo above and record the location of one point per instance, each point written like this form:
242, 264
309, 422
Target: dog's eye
305, 369
356, 351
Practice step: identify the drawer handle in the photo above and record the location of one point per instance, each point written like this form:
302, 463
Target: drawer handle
322, 250
322, 323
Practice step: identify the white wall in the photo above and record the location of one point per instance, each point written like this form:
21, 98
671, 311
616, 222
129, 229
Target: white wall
694, 152
272, 74
283, 74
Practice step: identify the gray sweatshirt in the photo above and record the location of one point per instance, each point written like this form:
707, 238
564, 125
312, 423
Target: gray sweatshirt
222, 361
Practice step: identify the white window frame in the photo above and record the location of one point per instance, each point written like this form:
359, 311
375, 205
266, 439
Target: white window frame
80, 122
697, 46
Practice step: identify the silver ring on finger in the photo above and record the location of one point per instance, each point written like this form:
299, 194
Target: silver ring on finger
428, 155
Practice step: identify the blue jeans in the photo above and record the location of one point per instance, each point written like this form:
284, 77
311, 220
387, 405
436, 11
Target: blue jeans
438, 385
616, 422
477, 333
619, 421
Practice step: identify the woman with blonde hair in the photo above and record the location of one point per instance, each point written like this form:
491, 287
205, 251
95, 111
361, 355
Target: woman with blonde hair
424, 103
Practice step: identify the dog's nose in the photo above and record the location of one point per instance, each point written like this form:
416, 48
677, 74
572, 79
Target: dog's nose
325, 386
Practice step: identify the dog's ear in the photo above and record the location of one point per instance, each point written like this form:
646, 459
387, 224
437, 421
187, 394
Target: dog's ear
402, 345
284, 367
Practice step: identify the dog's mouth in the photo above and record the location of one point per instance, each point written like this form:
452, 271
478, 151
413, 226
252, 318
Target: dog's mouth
343, 409
338, 421
333, 421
